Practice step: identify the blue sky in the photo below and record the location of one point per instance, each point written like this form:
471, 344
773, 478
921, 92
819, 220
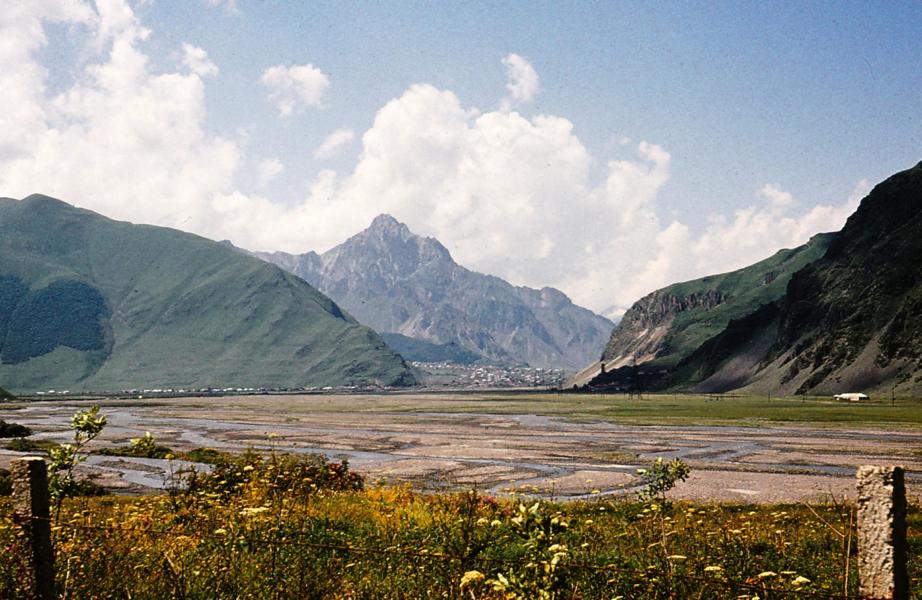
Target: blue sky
655, 142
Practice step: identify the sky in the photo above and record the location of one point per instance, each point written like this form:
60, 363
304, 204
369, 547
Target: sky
606, 149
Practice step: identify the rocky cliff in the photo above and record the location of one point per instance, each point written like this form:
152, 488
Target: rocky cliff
667, 325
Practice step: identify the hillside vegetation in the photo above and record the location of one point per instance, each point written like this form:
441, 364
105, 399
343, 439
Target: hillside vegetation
850, 320
88, 303
666, 326
303, 528
849, 317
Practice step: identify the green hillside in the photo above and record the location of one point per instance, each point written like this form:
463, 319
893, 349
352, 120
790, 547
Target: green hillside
666, 326
88, 303
420, 350
850, 321
5, 395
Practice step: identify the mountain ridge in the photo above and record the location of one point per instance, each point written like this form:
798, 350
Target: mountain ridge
156, 307
398, 282
851, 320
665, 326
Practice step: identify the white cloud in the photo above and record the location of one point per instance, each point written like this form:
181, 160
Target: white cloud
334, 143
509, 195
268, 169
778, 197
522, 80
120, 140
296, 87
197, 60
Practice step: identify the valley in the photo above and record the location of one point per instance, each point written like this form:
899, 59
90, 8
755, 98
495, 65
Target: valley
740, 449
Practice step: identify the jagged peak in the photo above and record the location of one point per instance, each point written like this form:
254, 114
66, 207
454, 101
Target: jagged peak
388, 224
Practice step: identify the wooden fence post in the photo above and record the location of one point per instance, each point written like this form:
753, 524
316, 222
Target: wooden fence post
882, 534
31, 510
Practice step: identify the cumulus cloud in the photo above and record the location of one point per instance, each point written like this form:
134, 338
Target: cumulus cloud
334, 143
509, 195
197, 60
295, 88
522, 82
121, 140
268, 169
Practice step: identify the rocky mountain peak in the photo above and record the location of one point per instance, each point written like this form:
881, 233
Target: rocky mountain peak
386, 225
388, 241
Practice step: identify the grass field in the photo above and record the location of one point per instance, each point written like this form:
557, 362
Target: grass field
650, 409
285, 528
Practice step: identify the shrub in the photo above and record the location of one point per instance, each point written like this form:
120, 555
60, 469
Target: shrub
30, 445
293, 474
16, 430
660, 478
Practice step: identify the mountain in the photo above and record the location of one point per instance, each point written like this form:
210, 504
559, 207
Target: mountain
400, 283
851, 320
423, 351
666, 326
88, 303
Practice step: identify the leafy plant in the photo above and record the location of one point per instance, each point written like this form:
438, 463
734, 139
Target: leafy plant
142, 447
541, 575
86, 425
660, 478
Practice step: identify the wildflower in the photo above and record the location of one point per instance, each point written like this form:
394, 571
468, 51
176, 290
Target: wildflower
713, 569
249, 512
676, 557
471, 577
800, 580
220, 531
765, 574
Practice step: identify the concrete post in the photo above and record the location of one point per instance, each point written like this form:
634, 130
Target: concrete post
31, 511
882, 534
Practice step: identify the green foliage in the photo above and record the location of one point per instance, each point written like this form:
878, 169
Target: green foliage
86, 425
392, 543
13, 430
30, 445
65, 313
142, 447
660, 478
300, 476
204, 455
542, 575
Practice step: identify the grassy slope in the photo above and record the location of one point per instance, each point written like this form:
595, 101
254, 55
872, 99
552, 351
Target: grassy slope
185, 311
744, 291
848, 321
413, 349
